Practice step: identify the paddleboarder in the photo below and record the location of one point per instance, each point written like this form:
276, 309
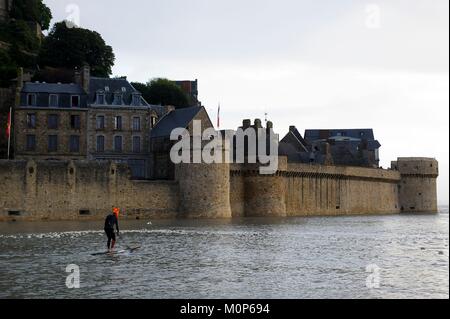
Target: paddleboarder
111, 221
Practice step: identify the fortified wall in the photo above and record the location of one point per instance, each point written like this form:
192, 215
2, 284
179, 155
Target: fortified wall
58, 190
69, 190
312, 190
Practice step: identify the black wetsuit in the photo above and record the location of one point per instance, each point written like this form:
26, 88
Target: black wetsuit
110, 221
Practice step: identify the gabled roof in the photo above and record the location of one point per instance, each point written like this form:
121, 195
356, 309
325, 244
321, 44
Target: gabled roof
52, 88
296, 142
175, 119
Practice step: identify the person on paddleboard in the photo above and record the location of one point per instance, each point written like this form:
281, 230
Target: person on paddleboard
111, 221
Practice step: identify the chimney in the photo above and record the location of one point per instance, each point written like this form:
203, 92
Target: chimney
19, 86
258, 123
20, 79
77, 76
326, 148
292, 128
246, 124
168, 109
85, 77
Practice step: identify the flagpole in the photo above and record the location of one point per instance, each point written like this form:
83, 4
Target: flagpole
218, 117
9, 130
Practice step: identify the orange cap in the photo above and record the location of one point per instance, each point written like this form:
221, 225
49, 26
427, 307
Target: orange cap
116, 211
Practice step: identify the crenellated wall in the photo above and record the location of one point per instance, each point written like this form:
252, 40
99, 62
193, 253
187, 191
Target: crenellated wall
68, 190
312, 190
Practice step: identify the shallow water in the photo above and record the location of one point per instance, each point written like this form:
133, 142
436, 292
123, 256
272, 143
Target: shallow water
251, 258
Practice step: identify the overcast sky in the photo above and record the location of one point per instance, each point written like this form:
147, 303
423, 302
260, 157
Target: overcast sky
309, 63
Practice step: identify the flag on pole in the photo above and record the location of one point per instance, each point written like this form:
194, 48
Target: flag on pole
8, 125
218, 116
8, 130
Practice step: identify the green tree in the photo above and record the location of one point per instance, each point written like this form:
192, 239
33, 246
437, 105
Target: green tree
32, 10
163, 92
73, 47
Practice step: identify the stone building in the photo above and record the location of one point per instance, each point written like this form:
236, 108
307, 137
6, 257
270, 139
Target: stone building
119, 124
50, 121
352, 147
91, 118
163, 168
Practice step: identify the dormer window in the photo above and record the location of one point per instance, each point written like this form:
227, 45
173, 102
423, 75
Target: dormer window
100, 98
75, 101
136, 99
118, 99
31, 100
53, 100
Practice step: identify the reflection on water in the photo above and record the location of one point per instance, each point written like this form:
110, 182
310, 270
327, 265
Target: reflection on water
252, 258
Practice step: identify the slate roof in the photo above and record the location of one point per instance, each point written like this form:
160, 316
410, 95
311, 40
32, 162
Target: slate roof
175, 119
314, 135
109, 86
52, 88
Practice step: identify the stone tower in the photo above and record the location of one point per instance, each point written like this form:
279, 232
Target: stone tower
417, 189
204, 190
265, 194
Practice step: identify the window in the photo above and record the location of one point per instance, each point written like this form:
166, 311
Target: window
31, 120
75, 122
75, 101
136, 123
31, 142
31, 100
52, 143
100, 122
118, 143
118, 122
53, 121
136, 144
137, 99
100, 143
74, 145
53, 100
118, 99
101, 99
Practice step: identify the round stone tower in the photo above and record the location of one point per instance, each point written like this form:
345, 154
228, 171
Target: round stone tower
417, 188
265, 194
204, 190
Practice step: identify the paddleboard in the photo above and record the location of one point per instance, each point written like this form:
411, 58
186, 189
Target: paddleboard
114, 252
